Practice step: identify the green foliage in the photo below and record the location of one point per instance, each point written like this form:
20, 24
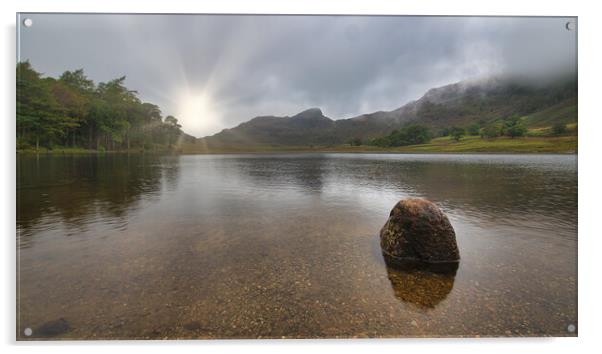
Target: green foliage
40, 117
409, 135
516, 131
460, 105
463, 105
355, 142
73, 111
563, 112
491, 131
457, 133
513, 127
474, 129
172, 130
498, 145
559, 129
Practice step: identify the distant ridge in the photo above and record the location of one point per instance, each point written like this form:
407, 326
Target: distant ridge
458, 104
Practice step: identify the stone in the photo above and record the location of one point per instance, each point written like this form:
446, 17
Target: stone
53, 328
417, 231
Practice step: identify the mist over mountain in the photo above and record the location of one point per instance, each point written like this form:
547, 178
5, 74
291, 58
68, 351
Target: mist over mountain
484, 101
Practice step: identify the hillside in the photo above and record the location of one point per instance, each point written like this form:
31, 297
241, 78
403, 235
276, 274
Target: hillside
459, 104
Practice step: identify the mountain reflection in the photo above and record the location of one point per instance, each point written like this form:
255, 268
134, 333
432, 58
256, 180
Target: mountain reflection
286, 172
472, 185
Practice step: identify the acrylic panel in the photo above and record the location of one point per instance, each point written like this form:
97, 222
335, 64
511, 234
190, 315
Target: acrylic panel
190, 176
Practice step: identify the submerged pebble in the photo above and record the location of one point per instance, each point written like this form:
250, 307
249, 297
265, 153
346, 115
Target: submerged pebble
53, 328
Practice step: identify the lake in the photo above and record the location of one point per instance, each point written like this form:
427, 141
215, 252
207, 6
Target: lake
121, 246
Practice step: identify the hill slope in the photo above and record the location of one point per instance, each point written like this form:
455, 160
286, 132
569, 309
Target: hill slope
459, 104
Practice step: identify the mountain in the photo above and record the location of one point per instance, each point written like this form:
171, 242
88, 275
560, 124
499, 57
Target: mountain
460, 104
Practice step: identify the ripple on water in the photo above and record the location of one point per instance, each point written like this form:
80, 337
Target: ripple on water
247, 246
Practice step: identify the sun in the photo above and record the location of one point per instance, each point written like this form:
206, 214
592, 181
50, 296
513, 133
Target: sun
197, 115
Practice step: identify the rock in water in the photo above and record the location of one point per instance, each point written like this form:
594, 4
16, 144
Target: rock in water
418, 231
53, 328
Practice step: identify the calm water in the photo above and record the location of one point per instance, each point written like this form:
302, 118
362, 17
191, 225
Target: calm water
249, 246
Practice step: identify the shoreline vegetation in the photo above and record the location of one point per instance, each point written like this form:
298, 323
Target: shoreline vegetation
72, 114
468, 144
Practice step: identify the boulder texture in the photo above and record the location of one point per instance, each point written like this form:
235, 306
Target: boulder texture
418, 231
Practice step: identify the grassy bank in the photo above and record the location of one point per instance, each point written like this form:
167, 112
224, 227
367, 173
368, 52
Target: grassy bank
566, 144
469, 144
77, 150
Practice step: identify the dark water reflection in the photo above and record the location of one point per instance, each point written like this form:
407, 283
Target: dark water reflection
82, 191
247, 246
420, 288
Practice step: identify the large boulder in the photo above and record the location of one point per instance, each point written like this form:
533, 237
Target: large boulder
418, 231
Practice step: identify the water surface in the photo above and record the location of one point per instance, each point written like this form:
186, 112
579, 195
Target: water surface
286, 245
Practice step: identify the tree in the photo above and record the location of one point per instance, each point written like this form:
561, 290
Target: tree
457, 133
355, 142
416, 134
559, 129
173, 130
39, 117
516, 131
409, 135
75, 107
380, 142
490, 131
73, 110
78, 81
152, 120
513, 127
473, 129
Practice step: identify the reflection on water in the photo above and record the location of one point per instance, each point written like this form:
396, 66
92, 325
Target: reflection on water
248, 246
421, 284
420, 288
86, 190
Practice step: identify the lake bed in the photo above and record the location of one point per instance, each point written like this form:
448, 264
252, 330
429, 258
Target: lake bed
286, 245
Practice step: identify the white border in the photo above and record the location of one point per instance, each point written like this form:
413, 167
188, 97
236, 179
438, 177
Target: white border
590, 130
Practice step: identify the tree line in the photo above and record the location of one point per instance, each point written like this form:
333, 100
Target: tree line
73, 111
409, 135
415, 134
512, 127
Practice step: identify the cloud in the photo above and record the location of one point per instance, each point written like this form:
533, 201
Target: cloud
279, 65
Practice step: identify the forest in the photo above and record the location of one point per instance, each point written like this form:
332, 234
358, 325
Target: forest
73, 111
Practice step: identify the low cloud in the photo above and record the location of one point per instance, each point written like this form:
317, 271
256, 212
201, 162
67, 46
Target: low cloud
263, 65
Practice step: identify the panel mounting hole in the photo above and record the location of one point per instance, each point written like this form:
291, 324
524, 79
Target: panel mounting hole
571, 328
28, 332
28, 22
570, 26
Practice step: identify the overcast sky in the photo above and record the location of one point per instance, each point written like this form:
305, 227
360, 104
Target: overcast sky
213, 72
